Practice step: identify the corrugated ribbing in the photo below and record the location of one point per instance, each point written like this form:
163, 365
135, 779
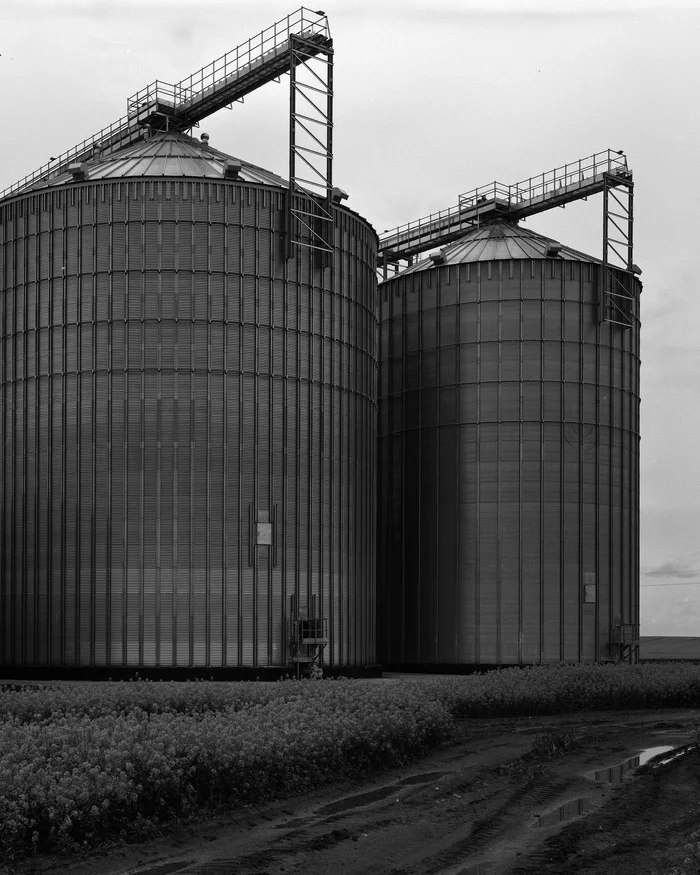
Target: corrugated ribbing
169, 382
509, 460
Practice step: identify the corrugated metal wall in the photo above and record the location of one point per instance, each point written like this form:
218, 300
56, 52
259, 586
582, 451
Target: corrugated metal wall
171, 384
508, 466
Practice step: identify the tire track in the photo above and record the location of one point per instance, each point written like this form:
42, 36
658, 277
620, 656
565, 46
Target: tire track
510, 815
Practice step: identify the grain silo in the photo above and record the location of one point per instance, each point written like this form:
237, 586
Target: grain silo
508, 450
188, 402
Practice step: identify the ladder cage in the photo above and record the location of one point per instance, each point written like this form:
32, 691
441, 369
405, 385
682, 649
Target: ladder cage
617, 288
310, 198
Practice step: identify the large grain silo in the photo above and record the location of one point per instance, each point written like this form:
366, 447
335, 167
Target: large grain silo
508, 454
189, 419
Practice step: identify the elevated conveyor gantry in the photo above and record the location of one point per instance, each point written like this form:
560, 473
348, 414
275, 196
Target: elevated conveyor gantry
604, 172
298, 43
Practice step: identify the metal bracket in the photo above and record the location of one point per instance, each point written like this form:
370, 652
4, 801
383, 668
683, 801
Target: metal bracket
261, 533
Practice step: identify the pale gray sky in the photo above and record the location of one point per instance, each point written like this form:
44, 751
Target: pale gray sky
432, 99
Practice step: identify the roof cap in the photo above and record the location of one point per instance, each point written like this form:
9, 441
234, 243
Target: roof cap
501, 240
167, 155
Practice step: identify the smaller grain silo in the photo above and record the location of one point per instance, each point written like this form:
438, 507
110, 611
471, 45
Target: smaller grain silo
508, 455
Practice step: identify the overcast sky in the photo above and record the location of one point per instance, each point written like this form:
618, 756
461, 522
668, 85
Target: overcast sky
432, 99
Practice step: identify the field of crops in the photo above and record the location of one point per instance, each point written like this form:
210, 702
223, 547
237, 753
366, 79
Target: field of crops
86, 763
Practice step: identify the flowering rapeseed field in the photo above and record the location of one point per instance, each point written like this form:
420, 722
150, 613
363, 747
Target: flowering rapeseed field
94, 762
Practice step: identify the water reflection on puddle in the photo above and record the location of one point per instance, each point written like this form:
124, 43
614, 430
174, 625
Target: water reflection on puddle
615, 775
565, 812
652, 752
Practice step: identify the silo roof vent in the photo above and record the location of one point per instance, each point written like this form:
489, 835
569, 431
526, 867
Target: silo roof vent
77, 171
338, 195
232, 168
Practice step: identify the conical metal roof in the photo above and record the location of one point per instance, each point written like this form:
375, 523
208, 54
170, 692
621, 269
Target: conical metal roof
166, 155
501, 240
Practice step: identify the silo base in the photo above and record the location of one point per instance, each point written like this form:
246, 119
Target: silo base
463, 669
44, 675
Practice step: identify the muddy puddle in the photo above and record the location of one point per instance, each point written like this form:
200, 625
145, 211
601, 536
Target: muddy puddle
565, 812
616, 774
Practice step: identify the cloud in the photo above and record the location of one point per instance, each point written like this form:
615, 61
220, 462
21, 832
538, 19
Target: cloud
662, 615
181, 31
672, 569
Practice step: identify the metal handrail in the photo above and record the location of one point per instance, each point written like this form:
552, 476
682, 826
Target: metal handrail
625, 633
429, 224
304, 629
116, 131
303, 22
555, 181
232, 64
158, 91
551, 181
271, 41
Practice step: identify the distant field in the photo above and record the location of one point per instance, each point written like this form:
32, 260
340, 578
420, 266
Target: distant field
669, 647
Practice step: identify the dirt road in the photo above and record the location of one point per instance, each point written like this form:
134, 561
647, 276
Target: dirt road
537, 796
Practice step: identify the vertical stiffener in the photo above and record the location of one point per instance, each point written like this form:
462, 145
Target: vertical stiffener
508, 456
